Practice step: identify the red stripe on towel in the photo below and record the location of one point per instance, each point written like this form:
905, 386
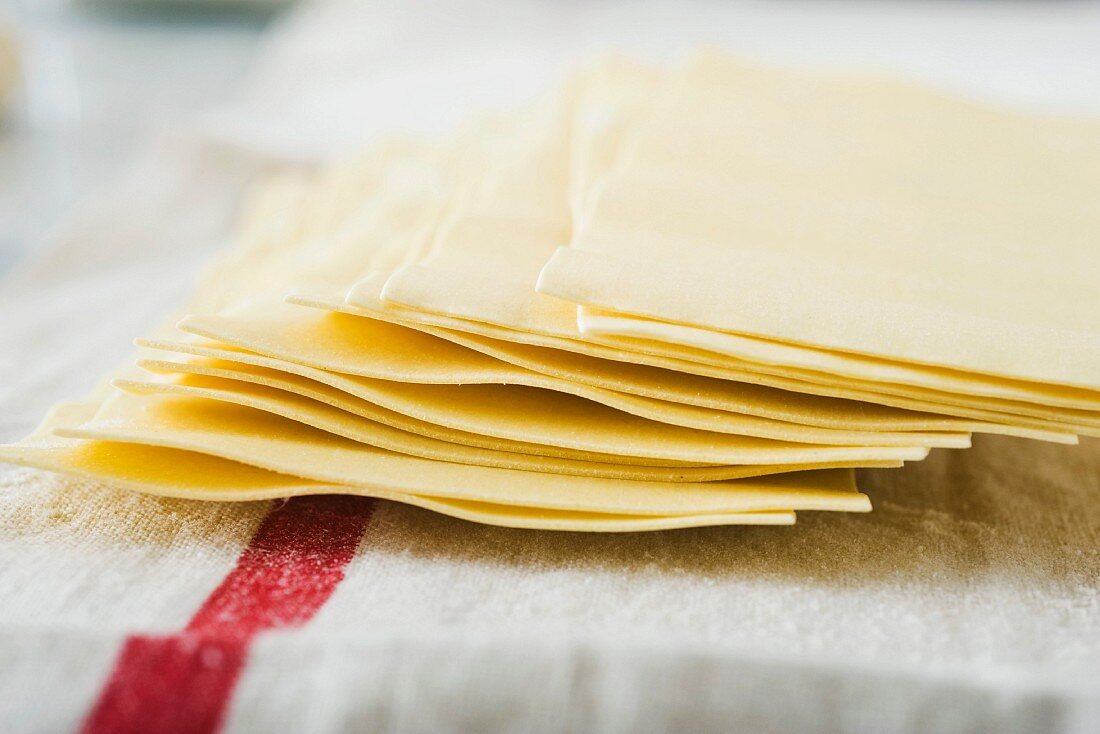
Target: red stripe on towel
183, 682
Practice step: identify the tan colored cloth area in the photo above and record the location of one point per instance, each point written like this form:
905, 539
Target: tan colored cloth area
634, 305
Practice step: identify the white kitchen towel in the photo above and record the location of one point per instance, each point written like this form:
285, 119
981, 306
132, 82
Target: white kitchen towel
969, 600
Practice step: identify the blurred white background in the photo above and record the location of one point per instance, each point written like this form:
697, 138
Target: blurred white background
92, 77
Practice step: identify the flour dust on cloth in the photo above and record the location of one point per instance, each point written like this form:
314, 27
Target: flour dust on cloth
529, 322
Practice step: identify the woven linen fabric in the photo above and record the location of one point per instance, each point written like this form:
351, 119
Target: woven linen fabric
969, 600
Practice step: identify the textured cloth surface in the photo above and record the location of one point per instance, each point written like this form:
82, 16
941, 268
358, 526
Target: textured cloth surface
969, 600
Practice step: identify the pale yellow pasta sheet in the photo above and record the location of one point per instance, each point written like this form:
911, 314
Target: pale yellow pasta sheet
197, 476
857, 215
271, 442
